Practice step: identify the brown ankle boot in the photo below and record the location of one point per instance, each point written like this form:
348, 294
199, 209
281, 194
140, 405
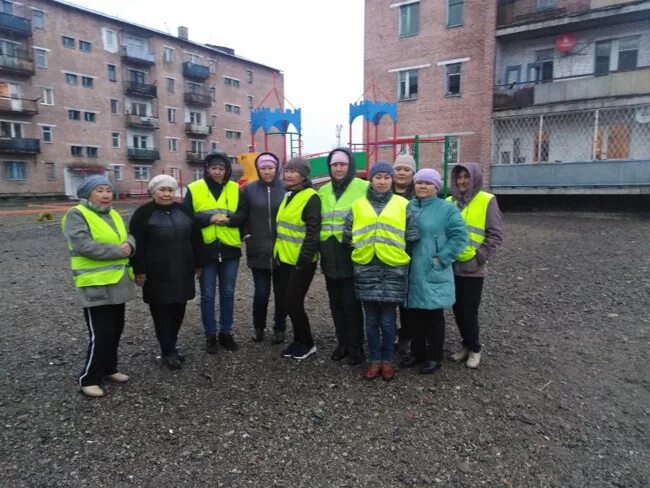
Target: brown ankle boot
387, 371
374, 370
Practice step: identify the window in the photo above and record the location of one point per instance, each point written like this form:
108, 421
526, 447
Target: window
195, 118
546, 4
197, 174
41, 57
85, 46
140, 142
513, 74
48, 96
11, 129
228, 81
602, 57
92, 152
15, 170
196, 147
168, 54
136, 76
628, 52
454, 12
115, 139
141, 173
541, 150
175, 173
233, 134
409, 19
541, 71
74, 114
408, 85
118, 172
76, 150
71, 79
171, 115
213, 94
115, 106
172, 144
236, 109
171, 85
249, 75
112, 72
452, 79
453, 149
250, 101
50, 171
109, 38
48, 134
139, 109
68, 42
90, 116
38, 19
87, 82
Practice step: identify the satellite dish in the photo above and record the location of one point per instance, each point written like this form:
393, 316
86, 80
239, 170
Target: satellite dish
565, 42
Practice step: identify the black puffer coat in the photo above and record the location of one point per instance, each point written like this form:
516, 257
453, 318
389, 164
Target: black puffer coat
169, 249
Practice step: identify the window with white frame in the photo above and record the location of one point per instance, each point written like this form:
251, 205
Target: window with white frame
48, 96
453, 79
228, 81
171, 85
112, 72
109, 38
40, 57
168, 54
453, 149
172, 144
115, 139
196, 117
407, 86
118, 172
140, 141
233, 134
138, 108
11, 130
196, 146
141, 173
455, 12
48, 134
50, 171
175, 173
628, 52
235, 109
115, 106
197, 174
38, 19
409, 19
249, 75
250, 101
171, 115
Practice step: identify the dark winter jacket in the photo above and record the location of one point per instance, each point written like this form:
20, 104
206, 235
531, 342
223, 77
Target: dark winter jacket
409, 193
312, 218
259, 203
169, 249
377, 281
216, 250
336, 262
478, 265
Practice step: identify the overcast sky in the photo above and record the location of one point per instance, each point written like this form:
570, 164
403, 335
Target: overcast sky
318, 46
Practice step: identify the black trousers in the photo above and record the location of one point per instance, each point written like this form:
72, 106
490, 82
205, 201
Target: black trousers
428, 327
167, 320
294, 283
404, 333
105, 324
346, 312
468, 300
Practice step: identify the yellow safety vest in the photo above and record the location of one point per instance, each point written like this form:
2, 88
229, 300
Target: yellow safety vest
93, 272
382, 235
203, 200
291, 228
334, 211
474, 214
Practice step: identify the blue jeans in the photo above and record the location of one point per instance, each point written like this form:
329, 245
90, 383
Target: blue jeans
381, 320
226, 271
263, 279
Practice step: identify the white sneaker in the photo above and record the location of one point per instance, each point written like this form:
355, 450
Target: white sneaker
473, 360
118, 377
460, 355
93, 391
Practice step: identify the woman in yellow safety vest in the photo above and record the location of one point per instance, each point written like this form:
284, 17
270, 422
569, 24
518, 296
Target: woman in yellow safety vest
379, 226
482, 216
99, 249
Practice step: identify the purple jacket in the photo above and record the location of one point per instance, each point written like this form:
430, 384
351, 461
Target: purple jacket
477, 266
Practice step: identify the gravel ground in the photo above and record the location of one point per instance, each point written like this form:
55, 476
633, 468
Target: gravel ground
561, 399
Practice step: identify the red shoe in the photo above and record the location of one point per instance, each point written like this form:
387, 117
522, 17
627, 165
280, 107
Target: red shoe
387, 372
374, 370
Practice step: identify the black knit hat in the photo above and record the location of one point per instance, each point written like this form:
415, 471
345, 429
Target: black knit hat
217, 157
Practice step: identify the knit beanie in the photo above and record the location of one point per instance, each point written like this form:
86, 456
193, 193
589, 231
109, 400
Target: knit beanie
90, 183
299, 165
405, 161
266, 159
429, 175
162, 181
381, 167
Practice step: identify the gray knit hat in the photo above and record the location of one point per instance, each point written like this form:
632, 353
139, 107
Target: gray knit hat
405, 161
90, 183
299, 165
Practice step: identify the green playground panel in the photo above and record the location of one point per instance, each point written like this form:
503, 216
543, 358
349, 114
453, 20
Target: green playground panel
319, 164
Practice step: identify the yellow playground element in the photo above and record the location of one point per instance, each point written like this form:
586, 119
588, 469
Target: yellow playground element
247, 162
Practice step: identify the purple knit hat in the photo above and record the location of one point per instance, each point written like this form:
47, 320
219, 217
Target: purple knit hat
429, 175
266, 158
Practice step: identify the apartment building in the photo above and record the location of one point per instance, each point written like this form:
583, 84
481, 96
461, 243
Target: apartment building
82, 92
549, 95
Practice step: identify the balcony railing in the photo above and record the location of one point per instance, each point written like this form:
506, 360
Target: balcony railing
197, 129
141, 122
137, 56
195, 71
144, 154
20, 146
140, 89
19, 64
15, 24
195, 157
18, 106
202, 99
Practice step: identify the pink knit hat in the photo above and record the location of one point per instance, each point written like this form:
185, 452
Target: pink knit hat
265, 160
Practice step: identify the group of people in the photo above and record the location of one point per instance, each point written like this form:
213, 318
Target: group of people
384, 244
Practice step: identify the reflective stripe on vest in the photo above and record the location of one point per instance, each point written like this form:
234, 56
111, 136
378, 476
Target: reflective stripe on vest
203, 201
474, 214
291, 229
92, 272
382, 235
334, 211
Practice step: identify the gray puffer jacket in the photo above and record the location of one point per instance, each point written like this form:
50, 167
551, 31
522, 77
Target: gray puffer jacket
77, 234
377, 281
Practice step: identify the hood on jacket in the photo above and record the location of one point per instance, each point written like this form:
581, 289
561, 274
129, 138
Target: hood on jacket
352, 168
223, 158
476, 177
276, 178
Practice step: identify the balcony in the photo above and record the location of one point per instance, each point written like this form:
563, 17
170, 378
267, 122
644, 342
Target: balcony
20, 146
18, 106
195, 157
201, 99
140, 89
134, 55
197, 129
195, 71
513, 97
21, 64
141, 122
16, 25
143, 154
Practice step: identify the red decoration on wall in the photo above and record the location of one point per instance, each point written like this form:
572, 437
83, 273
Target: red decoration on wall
565, 42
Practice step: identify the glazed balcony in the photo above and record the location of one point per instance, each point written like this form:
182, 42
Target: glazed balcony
195, 157
21, 64
16, 25
18, 106
140, 89
143, 154
200, 99
197, 129
133, 55
141, 122
195, 71
17, 145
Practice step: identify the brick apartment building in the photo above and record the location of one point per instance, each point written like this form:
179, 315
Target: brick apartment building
82, 92
551, 96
